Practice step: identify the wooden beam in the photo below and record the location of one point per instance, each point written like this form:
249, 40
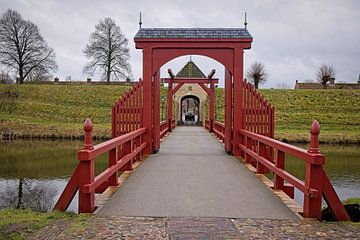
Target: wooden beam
172, 75
211, 74
191, 80
177, 88
207, 90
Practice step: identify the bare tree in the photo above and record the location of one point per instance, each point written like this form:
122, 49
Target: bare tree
108, 51
22, 48
324, 74
257, 74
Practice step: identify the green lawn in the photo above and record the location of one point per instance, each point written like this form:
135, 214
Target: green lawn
338, 112
60, 110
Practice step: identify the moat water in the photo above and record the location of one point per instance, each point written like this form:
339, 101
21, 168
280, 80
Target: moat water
33, 173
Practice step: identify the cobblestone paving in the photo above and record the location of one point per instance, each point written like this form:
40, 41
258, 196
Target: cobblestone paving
197, 228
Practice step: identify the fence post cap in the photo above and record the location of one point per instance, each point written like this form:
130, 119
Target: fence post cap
315, 128
88, 126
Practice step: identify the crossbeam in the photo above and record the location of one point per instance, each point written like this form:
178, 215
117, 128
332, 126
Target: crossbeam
191, 80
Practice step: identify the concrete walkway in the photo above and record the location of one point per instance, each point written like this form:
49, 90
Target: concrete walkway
192, 176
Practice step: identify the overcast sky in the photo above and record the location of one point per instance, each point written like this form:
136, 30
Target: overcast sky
291, 38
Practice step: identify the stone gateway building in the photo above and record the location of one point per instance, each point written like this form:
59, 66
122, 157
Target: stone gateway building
190, 98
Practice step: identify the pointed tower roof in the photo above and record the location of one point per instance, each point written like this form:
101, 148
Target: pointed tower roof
190, 70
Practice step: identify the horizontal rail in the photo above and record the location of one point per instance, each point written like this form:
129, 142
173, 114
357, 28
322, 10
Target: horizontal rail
259, 151
219, 130
280, 172
317, 159
113, 169
88, 154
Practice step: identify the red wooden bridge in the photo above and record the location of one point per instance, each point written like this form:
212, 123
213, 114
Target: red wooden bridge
247, 134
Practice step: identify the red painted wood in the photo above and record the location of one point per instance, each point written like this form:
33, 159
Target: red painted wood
86, 154
69, 192
191, 80
228, 111
113, 180
279, 163
238, 101
170, 102
333, 201
206, 89
292, 150
156, 112
212, 106
147, 98
314, 180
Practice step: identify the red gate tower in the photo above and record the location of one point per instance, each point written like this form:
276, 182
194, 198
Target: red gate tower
225, 45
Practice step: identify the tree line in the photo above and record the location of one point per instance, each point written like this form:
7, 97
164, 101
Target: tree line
24, 51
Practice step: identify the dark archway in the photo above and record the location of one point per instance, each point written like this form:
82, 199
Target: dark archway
190, 110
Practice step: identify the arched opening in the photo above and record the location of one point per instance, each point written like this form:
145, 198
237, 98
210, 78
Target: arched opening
190, 110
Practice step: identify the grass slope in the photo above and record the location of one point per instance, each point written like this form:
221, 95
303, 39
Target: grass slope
60, 110
338, 112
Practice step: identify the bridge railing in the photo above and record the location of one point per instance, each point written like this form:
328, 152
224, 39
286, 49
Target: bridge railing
219, 130
123, 151
207, 124
164, 128
127, 112
173, 122
258, 112
259, 152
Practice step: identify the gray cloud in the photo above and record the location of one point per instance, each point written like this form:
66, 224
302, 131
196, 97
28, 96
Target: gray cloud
292, 38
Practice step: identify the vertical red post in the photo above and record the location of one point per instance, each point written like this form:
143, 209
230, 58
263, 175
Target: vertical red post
212, 105
279, 163
127, 149
156, 112
169, 100
86, 173
147, 99
313, 177
262, 152
238, 101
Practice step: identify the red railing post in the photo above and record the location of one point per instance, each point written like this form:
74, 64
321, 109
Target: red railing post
127, 149
279, 163
313, 178
260, 168
86, 173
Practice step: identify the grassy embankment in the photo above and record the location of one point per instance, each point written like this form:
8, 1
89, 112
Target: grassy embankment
338, 112
59, 110
22, 223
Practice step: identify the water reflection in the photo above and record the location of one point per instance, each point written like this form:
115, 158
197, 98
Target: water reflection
34, 173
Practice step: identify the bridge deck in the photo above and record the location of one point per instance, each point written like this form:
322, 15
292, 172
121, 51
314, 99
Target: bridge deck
192, 176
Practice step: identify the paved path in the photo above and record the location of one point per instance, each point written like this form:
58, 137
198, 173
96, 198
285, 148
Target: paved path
192, 176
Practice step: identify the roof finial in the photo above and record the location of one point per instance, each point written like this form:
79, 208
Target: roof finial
190, 58
245, 23
140, 22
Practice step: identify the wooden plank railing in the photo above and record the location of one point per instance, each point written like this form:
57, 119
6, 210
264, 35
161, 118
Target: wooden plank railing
164, 128
219, 130
127, 112
258, 113
207, 124
173, 122
259, 152
123, 151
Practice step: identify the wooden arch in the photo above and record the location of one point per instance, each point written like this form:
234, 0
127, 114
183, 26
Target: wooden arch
224, 45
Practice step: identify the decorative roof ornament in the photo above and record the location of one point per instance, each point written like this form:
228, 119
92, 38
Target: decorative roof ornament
140, 22
245, 23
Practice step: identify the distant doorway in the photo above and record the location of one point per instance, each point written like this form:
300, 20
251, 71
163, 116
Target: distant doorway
190, 110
